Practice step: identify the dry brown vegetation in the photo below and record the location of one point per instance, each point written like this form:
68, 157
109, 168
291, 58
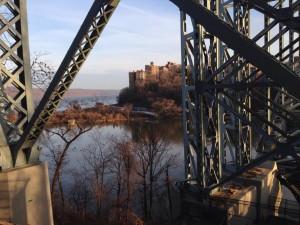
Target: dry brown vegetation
163, 97
95, 115
119, 182
166, 108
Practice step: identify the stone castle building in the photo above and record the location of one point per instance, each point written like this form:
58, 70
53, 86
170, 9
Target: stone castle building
152, 73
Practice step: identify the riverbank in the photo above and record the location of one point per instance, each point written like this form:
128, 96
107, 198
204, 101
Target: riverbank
98, 114
104, 114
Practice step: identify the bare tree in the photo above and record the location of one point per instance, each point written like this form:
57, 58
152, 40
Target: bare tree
80, 195
54, 154
122, 167
42, 73
96, 163
116, 168
153, 157
170, 199
67, 135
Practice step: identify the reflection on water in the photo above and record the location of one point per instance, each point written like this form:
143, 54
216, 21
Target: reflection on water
171, 131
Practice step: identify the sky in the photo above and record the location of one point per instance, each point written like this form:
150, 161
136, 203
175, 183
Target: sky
139, 31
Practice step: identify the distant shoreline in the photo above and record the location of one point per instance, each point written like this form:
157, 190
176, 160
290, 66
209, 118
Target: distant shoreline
102, 114
74, 92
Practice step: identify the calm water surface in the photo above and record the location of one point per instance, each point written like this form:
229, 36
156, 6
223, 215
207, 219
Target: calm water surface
171, 130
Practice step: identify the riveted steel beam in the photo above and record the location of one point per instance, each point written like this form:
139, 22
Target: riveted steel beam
86, 38
15, 73
257, 81
277, 71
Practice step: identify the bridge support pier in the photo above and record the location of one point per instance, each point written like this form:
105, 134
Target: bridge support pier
255, 197
25, 196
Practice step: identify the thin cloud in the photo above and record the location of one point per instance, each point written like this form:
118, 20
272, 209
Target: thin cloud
134, 36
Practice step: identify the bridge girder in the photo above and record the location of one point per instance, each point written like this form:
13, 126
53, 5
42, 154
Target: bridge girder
15, 76
22, 133
239, 92
239, 95
86, 38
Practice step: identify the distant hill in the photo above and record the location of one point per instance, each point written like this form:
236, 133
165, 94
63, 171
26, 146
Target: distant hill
38, 93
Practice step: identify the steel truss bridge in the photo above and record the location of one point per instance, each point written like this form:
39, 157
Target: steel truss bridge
240, 84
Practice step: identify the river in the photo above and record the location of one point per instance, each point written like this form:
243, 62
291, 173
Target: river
170, 130
86, 102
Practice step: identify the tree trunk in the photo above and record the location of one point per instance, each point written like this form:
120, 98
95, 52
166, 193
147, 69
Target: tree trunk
145, 198
61, 192
98, 199
101, 191
128, 195
118, 205
169, 195
119, 194
150, 192
57, 170
62, 199
128, 200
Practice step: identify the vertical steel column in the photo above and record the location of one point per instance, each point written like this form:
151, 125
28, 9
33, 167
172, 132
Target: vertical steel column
212, 114
246, 103
221, 126
269, 91
24, 52
291, 38
184, 71
194, 153
281, 44
247, 129
15, 60
244, 131
203, 119
17, 103
281, 39
237, 18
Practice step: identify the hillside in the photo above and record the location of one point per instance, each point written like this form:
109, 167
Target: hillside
38, 93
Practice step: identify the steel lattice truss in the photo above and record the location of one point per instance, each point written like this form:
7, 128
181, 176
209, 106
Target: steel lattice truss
241, 85
15, 70
15, 79
82, 45
240, 82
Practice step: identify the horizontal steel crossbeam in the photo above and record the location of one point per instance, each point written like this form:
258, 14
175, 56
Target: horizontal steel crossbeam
260, 58
252, 92
284, 15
